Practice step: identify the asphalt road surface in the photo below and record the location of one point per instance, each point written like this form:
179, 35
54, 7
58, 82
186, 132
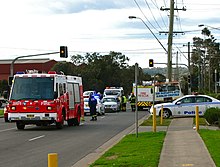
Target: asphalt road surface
31, 146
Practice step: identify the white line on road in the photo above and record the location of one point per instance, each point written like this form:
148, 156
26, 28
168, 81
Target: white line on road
6, 130
35, 138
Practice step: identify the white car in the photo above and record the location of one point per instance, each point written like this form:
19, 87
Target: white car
186, 105
87, 93
3, 102
111, 104
99, 107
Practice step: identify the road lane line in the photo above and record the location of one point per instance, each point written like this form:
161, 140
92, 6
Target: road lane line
7, 130
35, 138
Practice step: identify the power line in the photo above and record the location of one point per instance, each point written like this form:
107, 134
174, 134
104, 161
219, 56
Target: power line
156, 5
145, 15
152, 14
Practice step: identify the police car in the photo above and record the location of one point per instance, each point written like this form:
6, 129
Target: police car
185, 106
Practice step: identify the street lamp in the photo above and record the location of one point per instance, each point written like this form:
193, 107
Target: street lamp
169, 63
134, 17
203, 25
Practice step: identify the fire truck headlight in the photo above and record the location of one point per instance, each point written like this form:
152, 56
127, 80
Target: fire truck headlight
49, 108
13, 108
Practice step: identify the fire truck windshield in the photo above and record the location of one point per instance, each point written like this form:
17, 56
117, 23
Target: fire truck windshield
25, 88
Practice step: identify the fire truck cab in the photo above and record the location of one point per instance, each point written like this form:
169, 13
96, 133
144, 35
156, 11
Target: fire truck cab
44, 99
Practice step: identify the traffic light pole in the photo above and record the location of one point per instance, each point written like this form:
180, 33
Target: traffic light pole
12, 63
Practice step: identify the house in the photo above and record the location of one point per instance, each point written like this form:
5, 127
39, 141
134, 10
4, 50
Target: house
43, 65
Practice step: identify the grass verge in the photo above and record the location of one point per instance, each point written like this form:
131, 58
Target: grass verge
202, 121
1, 112
149, 121
211, 139
143, 151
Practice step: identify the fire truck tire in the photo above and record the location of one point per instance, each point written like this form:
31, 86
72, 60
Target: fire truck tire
70, 122
59, 125
20, 125
76, 121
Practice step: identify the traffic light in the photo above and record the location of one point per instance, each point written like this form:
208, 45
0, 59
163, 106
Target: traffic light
151, 62
189, 79
63, 52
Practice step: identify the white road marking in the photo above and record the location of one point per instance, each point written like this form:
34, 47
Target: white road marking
7, 130
35, 138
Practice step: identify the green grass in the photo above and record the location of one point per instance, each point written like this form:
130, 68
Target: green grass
143, 151
1, 112
202, 121
149, 121
211, 139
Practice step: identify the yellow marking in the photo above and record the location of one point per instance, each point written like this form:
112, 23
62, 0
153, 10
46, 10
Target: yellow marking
187, 164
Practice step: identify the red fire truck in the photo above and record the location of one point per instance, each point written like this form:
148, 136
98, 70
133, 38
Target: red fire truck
44, 99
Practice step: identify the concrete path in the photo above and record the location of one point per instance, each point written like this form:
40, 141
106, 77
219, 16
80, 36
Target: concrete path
183, 146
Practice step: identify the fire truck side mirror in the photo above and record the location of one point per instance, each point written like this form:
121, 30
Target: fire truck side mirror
10, 80
55, 95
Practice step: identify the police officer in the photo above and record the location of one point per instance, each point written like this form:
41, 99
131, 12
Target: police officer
132, 101
92, 106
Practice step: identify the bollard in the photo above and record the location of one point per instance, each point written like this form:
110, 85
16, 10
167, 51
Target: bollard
52, 160
161, 115
197, 118
154, 120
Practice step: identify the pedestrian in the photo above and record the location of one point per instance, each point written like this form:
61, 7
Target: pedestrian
92, 106
124, 101
132, 100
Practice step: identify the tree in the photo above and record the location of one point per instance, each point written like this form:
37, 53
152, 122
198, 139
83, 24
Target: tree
205, 60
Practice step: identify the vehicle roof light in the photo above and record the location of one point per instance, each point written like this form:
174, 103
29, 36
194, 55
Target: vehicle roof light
52, 72
20, 72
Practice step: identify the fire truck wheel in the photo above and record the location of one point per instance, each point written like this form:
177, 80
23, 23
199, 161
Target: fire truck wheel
70, 122
76, 122
20, 125
59, 125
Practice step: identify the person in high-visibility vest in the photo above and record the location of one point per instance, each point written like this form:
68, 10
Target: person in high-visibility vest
132, 101
123, 103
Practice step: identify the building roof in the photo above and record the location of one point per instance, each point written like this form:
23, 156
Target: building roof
24, 61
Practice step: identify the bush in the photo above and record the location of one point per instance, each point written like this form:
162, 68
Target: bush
218, 96
212, 115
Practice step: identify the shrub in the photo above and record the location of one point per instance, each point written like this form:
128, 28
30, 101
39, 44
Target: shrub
212, 115
218, 96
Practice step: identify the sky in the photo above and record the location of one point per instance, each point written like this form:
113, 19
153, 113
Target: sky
30, 27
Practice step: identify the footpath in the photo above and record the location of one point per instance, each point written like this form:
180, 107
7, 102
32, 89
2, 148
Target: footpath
182, 147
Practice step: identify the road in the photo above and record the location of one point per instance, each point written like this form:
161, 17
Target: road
31, 146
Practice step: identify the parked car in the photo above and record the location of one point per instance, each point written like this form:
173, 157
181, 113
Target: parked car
3, 102
86, 94
99, 107
111, 104
185, 106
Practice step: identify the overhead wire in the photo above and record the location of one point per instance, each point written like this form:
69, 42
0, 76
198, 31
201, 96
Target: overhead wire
156, 5
152, 14
145, 16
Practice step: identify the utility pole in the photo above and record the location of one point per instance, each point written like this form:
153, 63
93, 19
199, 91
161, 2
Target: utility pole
170, 42
189, 68
170, 39
176, 77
